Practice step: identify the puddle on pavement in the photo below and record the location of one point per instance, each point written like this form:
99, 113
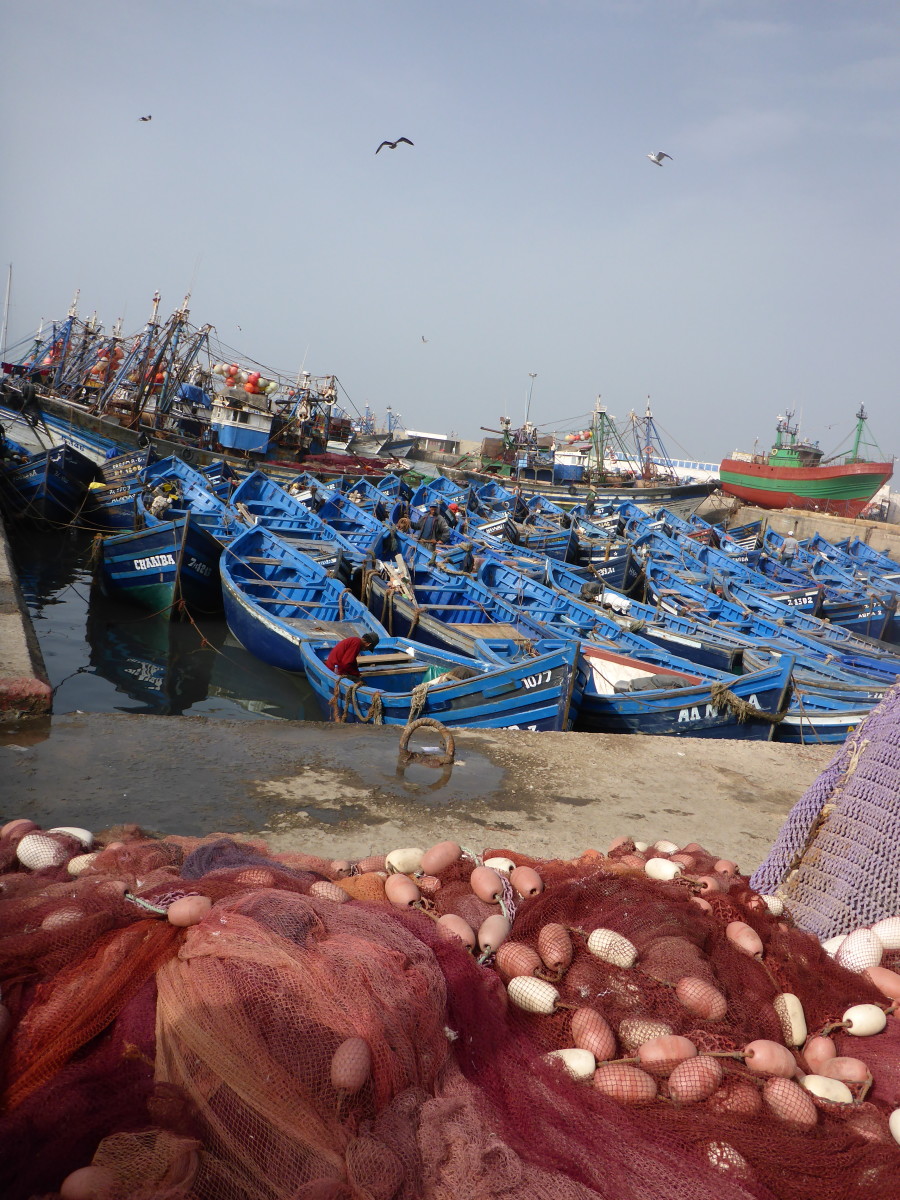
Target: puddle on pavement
377, 765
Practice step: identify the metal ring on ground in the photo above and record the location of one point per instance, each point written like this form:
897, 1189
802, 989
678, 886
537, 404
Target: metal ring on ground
428, 760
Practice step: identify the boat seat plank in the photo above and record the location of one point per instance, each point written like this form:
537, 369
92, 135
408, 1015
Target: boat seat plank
282, 584
488, 629
269, 562
287, 600
315, 628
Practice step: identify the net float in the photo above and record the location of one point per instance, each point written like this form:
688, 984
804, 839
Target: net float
827, 1088
628, 1085
80, 863
451, 927
486, 884
792, 1017
405, 861
886, 980
859, 950
505, 866
374, 862
439, 857
703, 905
533, 995
833, 944
736, 1097
695, 1079
725, 867
665, 847
773, 904
401, 891
554, 946
769, 1058
17, 828
612, 947
888, 932
590, 1031
580, 1064
641, 846
688, 861
526, 881
701, 998
616, 843
894, 1125
351, 1065
89, 1183
707, 884
492, 933
662, 868
515, 958
429, 885
817, 1052
633, 860
725, 1158
61, 917
341, 867
634, 1031
323, 889
660, 1055
744, 938
73, 831
850, 1070
189, 910
863, 1020
36, 851
790, 1103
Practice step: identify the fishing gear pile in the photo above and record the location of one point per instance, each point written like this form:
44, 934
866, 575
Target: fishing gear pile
201, 1019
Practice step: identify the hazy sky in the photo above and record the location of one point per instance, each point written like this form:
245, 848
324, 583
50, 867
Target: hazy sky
526, 231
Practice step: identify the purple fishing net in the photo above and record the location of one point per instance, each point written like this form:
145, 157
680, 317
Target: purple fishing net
836, 861
226, 854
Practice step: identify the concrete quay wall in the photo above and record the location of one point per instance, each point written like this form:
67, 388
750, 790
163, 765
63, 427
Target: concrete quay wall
880, 535
24, 687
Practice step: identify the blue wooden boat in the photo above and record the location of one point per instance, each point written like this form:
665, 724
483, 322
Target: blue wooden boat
276, 598
403, 680
49, 487
259, 500
858, 549
171, 566
628, 695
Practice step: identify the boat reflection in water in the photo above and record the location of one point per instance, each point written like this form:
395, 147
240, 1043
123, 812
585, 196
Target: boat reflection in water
169, 668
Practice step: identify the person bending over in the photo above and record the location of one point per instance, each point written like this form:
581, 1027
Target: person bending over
343, 656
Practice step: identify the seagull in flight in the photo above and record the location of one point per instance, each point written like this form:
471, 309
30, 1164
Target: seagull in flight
424, 338
148, 118
659, 156
394, 145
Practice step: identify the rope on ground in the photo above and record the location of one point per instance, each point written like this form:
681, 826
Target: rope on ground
428, 760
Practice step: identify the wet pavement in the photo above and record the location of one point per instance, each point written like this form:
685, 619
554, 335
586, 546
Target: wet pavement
341, 790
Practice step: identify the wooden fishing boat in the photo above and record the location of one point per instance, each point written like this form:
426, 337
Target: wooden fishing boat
165, 568
404, 680
276, 598
50, 487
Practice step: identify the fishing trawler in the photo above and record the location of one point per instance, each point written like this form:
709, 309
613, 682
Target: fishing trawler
796, 474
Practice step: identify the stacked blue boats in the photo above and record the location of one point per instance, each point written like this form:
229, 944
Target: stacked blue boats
523, 614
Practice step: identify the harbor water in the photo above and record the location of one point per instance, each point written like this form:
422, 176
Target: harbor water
103, 656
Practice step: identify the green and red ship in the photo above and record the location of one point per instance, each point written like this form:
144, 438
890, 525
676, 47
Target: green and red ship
794, 475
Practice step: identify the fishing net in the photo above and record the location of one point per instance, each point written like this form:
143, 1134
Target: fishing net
314, 1030
836, 861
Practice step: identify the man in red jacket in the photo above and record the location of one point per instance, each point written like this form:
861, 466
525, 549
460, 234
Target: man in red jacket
342, 659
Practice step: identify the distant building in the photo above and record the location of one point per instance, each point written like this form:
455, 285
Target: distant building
435, 443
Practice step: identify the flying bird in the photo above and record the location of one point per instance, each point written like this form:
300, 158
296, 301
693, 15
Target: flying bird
659, 156
424, 338
394, 145
148, 118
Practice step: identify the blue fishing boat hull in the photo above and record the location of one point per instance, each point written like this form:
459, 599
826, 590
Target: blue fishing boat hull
49, 488
275, 598
534, 694
172, 565
700, 709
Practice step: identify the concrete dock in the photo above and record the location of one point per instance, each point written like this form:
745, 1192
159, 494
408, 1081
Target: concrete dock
24, 688
341, 791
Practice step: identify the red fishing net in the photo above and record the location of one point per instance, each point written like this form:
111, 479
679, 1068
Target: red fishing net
314, 1031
